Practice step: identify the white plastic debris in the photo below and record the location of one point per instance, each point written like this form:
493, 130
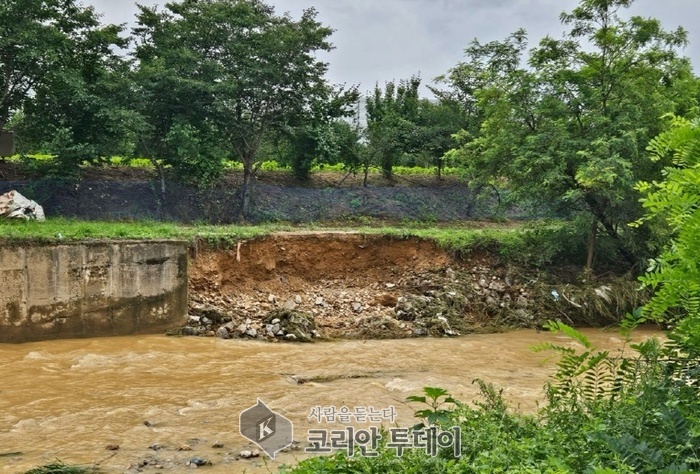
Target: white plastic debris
14, 205
555, 295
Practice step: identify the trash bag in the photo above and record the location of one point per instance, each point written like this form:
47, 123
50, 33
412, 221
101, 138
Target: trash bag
14, 205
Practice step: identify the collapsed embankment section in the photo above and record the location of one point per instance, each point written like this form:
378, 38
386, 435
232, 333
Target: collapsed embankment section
91, 289
352, 285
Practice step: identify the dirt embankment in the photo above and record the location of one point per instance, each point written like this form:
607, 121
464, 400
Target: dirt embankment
304, 286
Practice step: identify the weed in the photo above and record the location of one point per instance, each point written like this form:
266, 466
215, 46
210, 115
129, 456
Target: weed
61, 468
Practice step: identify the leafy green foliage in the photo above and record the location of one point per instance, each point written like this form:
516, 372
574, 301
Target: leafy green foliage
390, 117
239, 71
675, 201
69, 91
570, 129
405, 129
437, 413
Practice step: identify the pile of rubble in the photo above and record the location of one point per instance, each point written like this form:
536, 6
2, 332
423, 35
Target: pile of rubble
432, 303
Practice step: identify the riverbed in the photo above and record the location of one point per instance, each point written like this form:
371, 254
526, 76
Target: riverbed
164, 401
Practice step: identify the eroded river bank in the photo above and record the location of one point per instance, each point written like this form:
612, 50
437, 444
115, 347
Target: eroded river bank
70, 399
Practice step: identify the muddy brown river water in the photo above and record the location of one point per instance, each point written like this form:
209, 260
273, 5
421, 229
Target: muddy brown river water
69, 399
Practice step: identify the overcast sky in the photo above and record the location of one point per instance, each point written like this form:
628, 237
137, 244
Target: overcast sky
382, 40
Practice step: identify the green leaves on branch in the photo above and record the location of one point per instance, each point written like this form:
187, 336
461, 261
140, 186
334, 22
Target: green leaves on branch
569, 130
675, 203
233, 70
68, 90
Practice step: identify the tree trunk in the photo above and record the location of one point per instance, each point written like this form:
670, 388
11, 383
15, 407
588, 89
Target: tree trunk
599, 214
245, 191
158, 165
591, 245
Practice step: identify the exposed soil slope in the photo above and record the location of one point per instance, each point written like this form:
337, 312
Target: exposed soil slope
349, 285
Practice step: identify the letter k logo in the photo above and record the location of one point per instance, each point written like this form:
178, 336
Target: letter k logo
271, 431
264, 430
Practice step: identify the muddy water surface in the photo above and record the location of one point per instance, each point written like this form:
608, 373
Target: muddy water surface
69, 399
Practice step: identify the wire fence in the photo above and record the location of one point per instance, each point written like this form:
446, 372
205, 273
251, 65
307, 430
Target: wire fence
122, 200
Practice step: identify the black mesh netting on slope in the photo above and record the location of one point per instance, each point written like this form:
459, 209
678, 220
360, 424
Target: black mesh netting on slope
122, 200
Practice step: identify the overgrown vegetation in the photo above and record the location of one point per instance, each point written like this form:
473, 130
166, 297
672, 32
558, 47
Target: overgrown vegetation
61, 468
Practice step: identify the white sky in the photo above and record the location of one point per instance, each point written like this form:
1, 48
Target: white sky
382, 40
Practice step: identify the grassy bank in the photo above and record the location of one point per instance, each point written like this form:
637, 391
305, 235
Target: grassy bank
459, 238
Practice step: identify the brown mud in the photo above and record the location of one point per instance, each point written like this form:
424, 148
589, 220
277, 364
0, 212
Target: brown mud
357, 286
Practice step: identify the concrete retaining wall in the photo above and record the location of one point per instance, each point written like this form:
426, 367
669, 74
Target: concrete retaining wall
91, 289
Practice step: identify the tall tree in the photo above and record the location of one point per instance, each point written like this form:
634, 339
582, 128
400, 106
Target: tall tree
434, 130
248, 67
570, 129
317, 134
48, 45
391, 117
83, 111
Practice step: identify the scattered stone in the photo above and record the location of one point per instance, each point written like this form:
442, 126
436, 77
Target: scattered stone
197, 462
357, 307
386, 300
223, 333
390, 285
299, 324
251, 332
272, 299
319, 301
290, 305
247, 454
230, 327
156, 447
297, 299
190, 331
184, 447
217, 445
